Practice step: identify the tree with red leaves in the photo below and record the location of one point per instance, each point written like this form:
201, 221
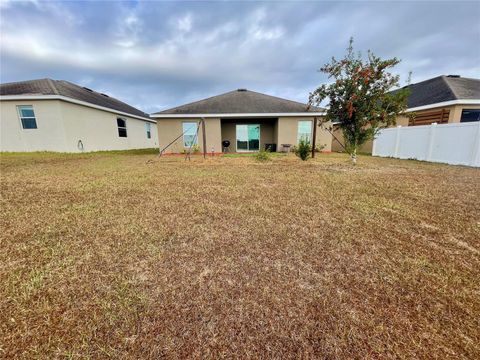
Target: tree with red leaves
361, 99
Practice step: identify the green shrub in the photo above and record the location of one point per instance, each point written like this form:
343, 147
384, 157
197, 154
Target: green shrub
263, 155
195, 149
303, 150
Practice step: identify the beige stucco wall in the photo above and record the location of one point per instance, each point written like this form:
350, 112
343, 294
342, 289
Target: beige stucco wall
288, 133
228, 133
50, 132
98, 130
456, 112
60, 125
169, 129
336, 147
283, 131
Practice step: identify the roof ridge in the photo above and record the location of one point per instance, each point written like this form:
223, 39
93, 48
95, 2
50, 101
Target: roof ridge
426, 80
22, 81
194, 102
279, 98
110, 98
452, 91
52, 84
466, 78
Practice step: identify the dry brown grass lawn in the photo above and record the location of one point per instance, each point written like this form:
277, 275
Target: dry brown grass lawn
107, 256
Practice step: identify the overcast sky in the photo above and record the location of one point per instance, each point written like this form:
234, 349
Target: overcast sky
156, 55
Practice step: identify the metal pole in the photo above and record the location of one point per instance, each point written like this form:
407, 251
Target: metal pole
314, 137
204, 136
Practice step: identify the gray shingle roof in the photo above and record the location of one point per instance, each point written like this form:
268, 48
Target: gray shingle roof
240, 101
67, 89
443, 88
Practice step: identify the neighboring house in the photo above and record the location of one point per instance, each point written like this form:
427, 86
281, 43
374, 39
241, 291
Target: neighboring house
248, 120
441, 100
56, 115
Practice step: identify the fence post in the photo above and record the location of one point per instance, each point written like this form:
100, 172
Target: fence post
431, 140
475, 159
397, 141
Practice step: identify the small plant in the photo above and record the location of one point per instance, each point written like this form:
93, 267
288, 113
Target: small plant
195, 148
303, 149
263, 155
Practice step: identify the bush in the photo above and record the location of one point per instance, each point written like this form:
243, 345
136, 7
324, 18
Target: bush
263, 155
195, 149
303, 150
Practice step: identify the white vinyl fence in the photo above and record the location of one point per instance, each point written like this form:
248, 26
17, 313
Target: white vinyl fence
457, 144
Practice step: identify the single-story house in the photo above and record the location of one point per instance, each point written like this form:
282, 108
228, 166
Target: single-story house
441, 100
246, 120
56, 115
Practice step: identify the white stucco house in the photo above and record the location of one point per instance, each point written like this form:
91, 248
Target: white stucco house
56, 115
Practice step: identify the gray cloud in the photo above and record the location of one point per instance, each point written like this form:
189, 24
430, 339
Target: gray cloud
156, 55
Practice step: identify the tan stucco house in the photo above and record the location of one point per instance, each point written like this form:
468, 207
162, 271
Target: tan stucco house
441, 100
245, 120
56, 115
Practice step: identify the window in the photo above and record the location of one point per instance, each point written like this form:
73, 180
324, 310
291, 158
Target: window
470, 115
304, 130
248, 137
148, 128
189, 134
27, 116
122, 127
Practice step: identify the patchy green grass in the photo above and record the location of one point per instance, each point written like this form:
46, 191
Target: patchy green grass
106, 255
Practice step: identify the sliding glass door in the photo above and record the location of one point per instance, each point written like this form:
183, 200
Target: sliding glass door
248, 137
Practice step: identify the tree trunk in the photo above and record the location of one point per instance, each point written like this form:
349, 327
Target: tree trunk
353, 155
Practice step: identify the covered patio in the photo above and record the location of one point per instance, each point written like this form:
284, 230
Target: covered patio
249, 134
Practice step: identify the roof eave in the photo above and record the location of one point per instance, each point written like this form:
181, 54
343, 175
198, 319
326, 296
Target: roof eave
236, 115
445, 103
73, 101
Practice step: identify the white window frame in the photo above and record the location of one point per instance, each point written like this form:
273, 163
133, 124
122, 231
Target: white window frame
148, 128
184, 133
122, 127
298, 130
27, 117
259, 138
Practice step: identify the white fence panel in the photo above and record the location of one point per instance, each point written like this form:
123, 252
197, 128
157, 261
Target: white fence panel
457, 144
387, 143
458, 149
413, 143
